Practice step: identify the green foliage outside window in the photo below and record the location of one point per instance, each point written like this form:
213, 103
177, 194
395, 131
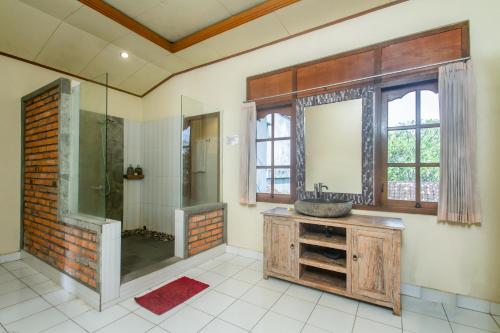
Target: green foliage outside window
401, 149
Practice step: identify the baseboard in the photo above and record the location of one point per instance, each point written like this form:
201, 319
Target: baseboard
91, 297
10, 257
429, 294
461, 301
244, 252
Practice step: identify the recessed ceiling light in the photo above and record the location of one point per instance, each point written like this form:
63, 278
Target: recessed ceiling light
124, 55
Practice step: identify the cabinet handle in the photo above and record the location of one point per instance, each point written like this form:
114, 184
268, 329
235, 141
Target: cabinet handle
292, 246
355, 257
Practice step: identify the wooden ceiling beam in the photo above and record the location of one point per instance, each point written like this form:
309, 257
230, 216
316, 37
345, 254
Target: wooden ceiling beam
232, 22
215, 29
128, 22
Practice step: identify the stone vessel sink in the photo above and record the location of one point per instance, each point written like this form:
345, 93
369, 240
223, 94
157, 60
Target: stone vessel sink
323, 208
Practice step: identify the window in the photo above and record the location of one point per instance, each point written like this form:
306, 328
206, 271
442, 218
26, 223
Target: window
275, 155
410, 147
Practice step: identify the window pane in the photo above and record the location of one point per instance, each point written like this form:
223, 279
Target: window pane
264, 153
264, 127
282, 181
401, 146
281, 125
402, 111
282, 152
429, 184
429, 145
429, 107
401, 183
264, 180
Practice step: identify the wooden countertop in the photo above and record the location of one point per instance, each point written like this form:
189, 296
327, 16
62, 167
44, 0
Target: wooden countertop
352, 219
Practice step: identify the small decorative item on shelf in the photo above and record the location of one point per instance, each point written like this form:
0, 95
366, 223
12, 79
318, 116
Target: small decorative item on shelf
130, 170
138, 170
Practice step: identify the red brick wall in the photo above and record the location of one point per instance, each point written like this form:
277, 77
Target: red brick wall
70, 249
205, 231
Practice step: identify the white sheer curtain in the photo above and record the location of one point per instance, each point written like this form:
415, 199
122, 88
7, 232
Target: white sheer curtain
248, 154
458, 194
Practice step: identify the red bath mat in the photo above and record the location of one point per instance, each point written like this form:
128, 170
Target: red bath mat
170, 295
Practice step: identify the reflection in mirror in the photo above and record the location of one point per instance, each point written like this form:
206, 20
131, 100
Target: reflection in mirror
201, 153
333, 146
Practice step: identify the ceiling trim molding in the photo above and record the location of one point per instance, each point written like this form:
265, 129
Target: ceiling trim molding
346, 18
215, 29
66, 73
128, 22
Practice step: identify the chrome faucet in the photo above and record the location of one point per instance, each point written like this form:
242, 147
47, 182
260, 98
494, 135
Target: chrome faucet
318, 190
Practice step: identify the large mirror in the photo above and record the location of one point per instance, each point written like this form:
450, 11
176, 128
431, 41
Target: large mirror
335, 145
333, 137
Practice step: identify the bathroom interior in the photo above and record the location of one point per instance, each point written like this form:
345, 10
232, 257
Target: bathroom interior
249, 166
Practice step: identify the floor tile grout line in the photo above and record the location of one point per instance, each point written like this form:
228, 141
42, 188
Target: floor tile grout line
52, 306
401, 313
121, 317
475, 327
494, 319
272, 305
315, 306
239, 299
447, 318
423, 314
356, 317
68, 319
29, 299
235, 300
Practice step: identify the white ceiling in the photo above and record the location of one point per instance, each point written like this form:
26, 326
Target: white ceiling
71, 37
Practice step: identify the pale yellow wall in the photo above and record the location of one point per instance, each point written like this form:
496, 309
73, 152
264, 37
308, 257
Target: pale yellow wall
16, 80
446, 257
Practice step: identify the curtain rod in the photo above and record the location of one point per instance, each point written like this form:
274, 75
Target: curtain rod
362, 79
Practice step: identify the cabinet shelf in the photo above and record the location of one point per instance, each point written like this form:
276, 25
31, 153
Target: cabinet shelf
325, 280
318, 260
319, 239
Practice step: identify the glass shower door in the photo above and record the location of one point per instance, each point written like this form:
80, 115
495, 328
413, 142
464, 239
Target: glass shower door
93, 183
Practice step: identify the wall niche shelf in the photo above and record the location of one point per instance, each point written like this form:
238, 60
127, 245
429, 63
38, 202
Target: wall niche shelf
133, 177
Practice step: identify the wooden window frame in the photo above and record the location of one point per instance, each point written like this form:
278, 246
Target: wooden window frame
288, 109
389, 93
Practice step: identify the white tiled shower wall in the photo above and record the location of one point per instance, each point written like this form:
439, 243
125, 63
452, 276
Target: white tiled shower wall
132, 154
155, 145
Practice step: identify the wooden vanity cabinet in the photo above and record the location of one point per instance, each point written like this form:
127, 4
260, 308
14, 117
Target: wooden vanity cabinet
356, 256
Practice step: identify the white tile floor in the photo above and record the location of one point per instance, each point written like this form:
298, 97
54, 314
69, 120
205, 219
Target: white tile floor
238, 300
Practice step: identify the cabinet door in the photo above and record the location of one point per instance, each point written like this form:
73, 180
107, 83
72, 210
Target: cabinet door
372, 264
281, 247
